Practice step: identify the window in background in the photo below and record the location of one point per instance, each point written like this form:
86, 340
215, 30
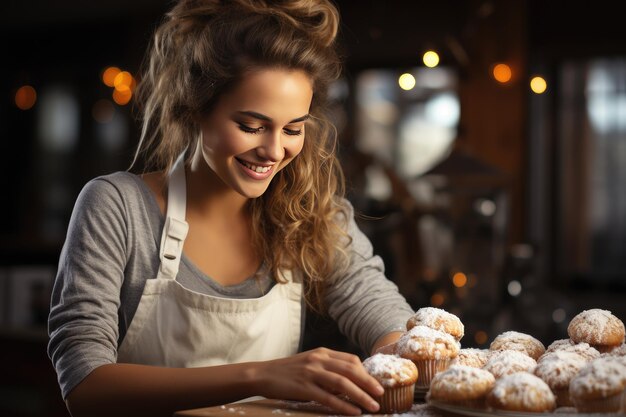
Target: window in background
411, 129
591, 161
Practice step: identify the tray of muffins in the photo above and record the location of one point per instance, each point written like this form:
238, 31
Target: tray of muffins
517, 376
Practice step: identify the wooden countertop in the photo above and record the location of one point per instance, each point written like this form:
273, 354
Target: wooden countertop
278, 408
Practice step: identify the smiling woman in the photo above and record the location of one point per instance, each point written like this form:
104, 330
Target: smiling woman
183, 286
255, 130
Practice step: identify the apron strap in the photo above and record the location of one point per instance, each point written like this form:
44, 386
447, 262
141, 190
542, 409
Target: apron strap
175, 228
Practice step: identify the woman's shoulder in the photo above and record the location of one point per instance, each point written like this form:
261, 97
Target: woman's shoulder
115, 188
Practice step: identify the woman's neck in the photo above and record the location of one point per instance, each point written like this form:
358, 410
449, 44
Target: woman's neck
208, 196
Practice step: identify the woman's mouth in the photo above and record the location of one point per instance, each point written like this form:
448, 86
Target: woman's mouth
257, 172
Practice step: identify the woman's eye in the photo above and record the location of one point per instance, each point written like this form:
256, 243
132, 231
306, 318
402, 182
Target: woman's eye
292, 132
249, 129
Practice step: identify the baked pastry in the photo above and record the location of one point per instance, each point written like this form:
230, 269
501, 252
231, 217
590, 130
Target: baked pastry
599, 328
461, 385
506, 362
599, 386
437, 319
567, 345
476, 358
521, 391
430, 350
557, 370
521, 342
397, 376
618, 351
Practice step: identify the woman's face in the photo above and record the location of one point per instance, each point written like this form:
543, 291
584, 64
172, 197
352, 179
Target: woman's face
257, 128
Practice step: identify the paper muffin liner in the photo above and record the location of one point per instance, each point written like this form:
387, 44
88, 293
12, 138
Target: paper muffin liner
428, 368
609, 404
562, 397
396, 399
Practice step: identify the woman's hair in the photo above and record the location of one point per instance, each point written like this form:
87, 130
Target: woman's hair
200, 51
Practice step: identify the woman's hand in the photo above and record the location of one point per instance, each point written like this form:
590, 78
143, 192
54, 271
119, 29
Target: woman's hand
318, 375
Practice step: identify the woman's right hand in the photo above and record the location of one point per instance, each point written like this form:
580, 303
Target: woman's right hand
318, 375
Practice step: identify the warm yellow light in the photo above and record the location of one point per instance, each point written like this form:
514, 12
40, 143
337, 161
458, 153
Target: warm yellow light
406, 81
25, 97
502, 73
480, 337
437, 299
124, 81
109, 74
459, 279
122, 96
538, 85
431, 59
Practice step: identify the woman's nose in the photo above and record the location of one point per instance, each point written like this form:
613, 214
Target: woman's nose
271, 148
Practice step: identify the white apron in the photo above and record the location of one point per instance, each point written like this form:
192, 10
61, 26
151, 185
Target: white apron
177, 327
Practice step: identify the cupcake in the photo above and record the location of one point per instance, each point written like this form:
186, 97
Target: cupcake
599, 328
397, 376
508, 362
437, 319
599, 386
521, 391
430, 350
461, 385
476, 358
567, 345
557, 369
521, 342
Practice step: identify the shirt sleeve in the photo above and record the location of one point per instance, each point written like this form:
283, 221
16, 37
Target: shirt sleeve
83, 322
364, 303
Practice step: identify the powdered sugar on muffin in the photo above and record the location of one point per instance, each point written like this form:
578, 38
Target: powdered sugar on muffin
558, 368
599, 386
423, 342
583, 349
599, 328
521, 391
520, 342
437, 319
476, 358
461, 384
391, 370
508, 362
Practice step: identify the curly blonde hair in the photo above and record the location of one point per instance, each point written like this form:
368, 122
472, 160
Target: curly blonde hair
199, 52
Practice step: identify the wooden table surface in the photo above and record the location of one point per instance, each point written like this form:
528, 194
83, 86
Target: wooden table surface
282, 408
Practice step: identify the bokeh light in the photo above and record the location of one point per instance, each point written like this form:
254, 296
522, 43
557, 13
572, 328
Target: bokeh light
502, 73
25, 97
406, 81
459, 279
538, 85
109, 74
437, 299
431, 59
480, 337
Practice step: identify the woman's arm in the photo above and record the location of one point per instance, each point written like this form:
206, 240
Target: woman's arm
385, 343
139, 390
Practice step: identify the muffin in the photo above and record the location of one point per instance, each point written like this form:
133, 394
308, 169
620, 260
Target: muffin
521, 391
506, 362
521, 342
557, 369
599, 328
397, 376
599, 386
476, 358
461, 385
567, 345
437, 319
430, 350
619, 351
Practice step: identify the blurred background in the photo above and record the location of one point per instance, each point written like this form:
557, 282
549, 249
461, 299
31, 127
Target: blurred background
484, 144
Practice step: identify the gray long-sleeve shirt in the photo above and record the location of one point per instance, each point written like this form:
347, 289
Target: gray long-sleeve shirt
112, 248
